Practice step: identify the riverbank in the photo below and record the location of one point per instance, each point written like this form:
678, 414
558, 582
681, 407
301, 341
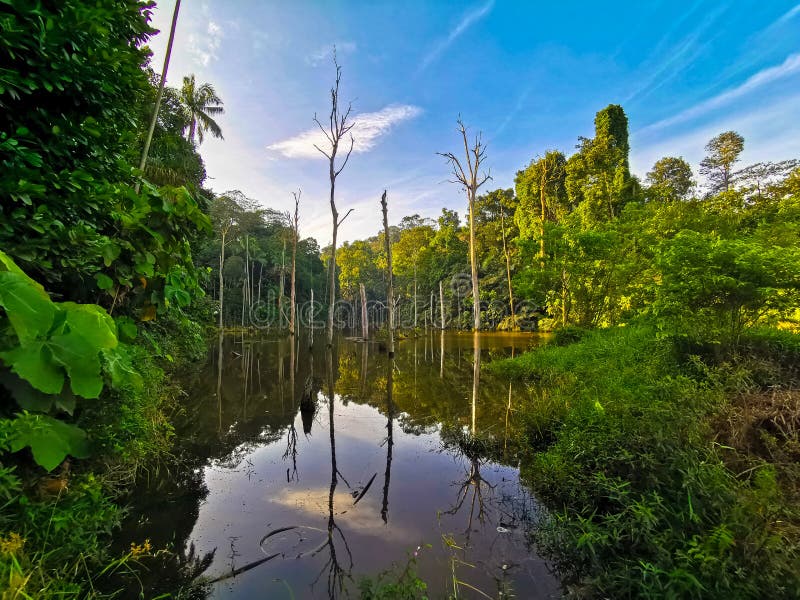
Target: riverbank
670, 469
57, 527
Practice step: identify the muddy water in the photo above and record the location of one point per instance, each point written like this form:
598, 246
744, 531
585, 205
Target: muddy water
302, 471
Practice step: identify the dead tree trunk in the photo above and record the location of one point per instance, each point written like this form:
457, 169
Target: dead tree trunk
441, 303
293, 309
364, 319
339, 126
389, 290
471, 182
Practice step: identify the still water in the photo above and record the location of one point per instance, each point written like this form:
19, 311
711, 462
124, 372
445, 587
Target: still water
301, 471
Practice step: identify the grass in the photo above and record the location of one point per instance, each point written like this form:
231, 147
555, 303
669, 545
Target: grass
643, 498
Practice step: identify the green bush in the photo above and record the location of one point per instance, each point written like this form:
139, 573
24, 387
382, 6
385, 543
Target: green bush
641, 504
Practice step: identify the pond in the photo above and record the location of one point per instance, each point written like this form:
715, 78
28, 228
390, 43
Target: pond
283, 493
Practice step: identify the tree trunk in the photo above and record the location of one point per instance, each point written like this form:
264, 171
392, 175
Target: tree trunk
441, 303
293, 309
389, 290
221, 280
148, 140
473, 262
415, 295
332, 264
246, 298
364, 320
282, 287
311, 321
508, 269
260, 274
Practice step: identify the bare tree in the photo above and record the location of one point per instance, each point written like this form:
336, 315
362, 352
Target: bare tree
295, 231
389, 289
471, 181
338, 127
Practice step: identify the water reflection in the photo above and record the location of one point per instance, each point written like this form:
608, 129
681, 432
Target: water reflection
266, 509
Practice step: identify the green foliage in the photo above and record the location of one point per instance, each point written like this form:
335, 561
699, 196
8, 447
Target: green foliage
642, 505
723, 152
70, 94
43, 344
714, 288
669, 180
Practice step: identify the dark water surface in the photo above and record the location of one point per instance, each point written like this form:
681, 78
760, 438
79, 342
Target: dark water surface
283, 494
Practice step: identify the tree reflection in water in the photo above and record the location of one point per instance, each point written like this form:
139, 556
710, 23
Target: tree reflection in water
389, 439
470, 446
337, 573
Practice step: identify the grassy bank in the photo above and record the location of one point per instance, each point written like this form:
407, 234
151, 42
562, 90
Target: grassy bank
670, 469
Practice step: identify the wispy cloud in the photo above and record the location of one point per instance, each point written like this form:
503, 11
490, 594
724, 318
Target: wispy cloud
203, 47
673, 60
788, 67
787, 16
326, 52
465, 23
368, 128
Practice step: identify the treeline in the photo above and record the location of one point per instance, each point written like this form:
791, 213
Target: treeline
580, 241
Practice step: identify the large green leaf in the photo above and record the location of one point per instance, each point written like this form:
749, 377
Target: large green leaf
50, 440
34, 363
81, 358
27, 305
92, 322
118, 365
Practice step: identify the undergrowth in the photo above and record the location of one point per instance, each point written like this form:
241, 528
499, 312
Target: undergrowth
643, 498
55, 528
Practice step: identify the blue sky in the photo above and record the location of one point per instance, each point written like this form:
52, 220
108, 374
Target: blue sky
529, 75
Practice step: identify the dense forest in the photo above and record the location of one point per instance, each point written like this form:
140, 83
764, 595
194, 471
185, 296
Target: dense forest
667, 449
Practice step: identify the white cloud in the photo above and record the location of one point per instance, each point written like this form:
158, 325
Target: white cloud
203, 47
789, 66
367, 129
466, 21
324, 53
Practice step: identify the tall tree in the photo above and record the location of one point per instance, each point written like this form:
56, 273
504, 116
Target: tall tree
542, 196
723, 152
148, 140
201, 103
338, 127
670, 179
598, 178
471, 179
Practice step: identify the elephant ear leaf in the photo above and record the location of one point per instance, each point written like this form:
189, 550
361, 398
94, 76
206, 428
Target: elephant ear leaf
27, 305
50, 440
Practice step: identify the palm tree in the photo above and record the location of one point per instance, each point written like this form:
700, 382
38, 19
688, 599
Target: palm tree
201, 102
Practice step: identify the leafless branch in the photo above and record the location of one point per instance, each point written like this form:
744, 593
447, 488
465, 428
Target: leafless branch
344, 217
